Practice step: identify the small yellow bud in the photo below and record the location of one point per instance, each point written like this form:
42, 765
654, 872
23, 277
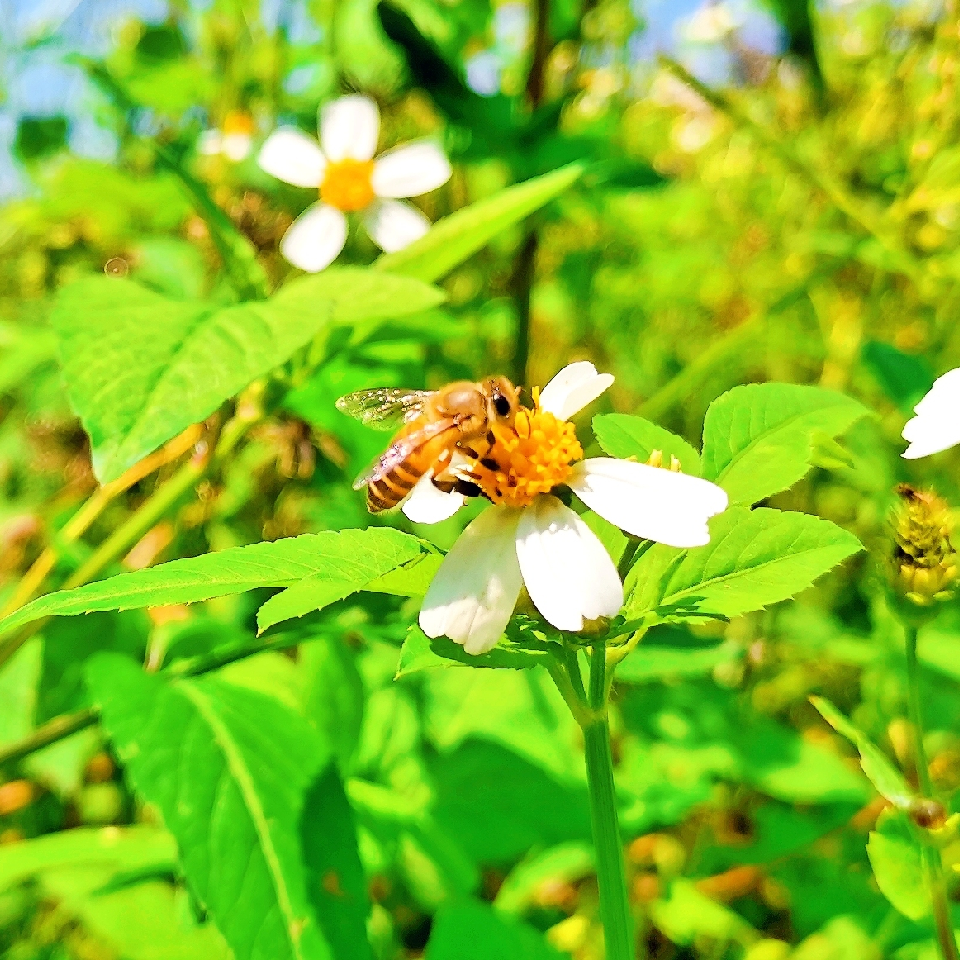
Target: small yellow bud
924, 569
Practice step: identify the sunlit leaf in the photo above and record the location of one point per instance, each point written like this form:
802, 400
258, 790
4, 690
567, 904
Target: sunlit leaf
628, 437
754, 558
889, 781
451, 240
347, 560
243, 784
141, 367
897, 862
758, 439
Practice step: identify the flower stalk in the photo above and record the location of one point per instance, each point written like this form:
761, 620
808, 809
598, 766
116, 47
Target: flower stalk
932, 861
611, 874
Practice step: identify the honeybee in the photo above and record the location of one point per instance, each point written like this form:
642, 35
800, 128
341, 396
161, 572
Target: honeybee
433, 424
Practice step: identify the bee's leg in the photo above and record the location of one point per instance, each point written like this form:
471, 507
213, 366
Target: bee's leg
467, 488
448, 483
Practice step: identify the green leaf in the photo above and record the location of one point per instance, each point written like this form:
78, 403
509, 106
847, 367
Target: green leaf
363, 554
372, 554
687, 914
474, 931
333, 694
126, 848
419, 652
140, 367
757, 438
652, 662
897, 862
452, 240
68, 643
878, 769
237, 777
567, 863
754, 558
110, 878
625, 437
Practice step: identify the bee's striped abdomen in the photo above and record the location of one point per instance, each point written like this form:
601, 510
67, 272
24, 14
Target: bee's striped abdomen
386, 491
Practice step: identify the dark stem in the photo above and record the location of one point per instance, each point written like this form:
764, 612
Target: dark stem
524, 268
541, 50
521, 285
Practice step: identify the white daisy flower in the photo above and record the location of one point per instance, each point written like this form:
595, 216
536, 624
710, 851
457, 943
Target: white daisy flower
529, 538
233, 140
936, 426
343, 168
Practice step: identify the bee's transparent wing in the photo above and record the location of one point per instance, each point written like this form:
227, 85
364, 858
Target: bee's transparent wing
400, 450
384, 408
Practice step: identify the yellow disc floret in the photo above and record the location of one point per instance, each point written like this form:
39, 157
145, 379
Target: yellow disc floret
532, 456
347, 184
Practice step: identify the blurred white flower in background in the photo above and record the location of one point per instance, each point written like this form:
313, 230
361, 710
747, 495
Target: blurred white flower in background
530, 538
936, 427
711, 23
343, 168
233, 139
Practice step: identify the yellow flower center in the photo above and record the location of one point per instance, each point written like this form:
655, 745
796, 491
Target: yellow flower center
347, 184
532, 456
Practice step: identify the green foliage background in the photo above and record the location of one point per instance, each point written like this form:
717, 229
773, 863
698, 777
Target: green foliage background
299, 772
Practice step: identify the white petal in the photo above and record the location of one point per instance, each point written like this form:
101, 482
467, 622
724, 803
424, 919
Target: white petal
936, 426
427, 504
576, 385
473, 594
236, 146
568, 573
649, 502
293, 157
410, 170
315, 238
349, 127
394, 225
210, 142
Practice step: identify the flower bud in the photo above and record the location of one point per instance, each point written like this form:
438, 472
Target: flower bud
656, 460
924, 569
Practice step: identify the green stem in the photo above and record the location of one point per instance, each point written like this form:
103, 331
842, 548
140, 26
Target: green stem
916, 716
611, 875
932, 861
59, 728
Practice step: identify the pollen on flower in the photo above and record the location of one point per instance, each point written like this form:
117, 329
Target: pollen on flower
529, 457
347, 184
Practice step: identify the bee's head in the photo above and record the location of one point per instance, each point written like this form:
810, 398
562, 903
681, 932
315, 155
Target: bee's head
503, 398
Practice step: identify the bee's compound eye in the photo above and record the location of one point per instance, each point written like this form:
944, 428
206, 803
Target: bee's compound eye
502, 405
